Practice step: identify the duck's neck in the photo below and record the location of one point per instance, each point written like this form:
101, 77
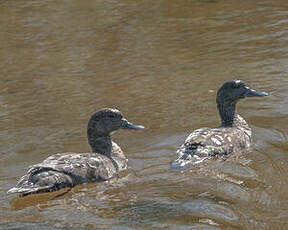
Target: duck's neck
100, 144
228, 114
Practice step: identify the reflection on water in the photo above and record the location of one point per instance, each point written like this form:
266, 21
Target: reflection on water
161, 64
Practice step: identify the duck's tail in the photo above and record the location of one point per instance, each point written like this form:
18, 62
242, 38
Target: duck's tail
40, 181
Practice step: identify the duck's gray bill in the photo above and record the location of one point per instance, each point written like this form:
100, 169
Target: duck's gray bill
127, 125
253, 93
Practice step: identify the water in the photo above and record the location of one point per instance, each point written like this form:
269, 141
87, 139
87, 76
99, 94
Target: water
160, 63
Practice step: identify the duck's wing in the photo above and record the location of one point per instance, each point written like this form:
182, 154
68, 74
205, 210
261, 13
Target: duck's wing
65, 170
203, 143
209, 142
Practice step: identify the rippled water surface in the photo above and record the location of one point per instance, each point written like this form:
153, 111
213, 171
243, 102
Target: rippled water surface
160, 63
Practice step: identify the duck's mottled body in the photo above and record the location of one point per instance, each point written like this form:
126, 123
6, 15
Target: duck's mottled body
69, 169
232, 135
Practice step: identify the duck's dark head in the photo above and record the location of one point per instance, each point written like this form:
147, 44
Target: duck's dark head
107, 120
101, 125
227, 97
232, 91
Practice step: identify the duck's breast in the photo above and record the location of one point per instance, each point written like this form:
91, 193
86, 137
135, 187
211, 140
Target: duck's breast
119, 157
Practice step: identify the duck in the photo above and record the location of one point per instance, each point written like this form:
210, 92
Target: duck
233, 134
62, 170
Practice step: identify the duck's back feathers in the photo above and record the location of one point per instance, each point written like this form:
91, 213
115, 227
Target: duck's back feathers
206, 142
65, 170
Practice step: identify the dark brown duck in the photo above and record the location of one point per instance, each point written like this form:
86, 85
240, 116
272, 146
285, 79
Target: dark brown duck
69, 169
232, 135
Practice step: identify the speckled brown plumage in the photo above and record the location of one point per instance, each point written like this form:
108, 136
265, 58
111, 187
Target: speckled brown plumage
69, 169
232, 135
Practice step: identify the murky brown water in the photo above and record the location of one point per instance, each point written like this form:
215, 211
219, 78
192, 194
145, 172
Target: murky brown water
160, 63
